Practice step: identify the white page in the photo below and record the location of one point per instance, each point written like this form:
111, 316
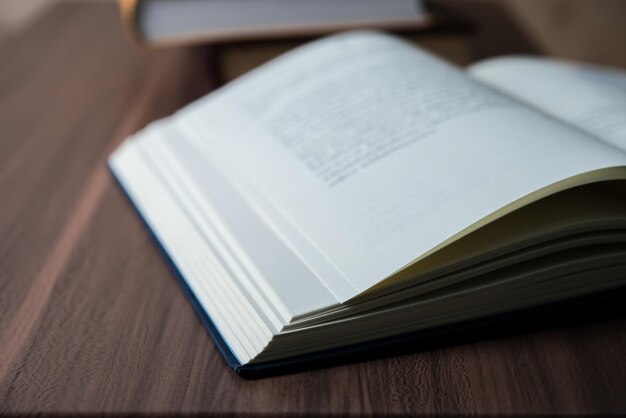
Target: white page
373, 153
254, 247
591, 98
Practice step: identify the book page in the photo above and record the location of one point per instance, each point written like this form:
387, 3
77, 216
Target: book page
591, 98
364, 154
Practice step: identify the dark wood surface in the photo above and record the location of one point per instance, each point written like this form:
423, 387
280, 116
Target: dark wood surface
92, 321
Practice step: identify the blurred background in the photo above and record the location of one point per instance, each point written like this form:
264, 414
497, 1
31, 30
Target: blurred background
16, 14
587, 30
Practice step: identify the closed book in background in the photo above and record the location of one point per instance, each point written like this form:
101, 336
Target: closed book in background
183, 22
248, 33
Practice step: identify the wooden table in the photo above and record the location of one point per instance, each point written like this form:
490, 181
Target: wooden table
92, 321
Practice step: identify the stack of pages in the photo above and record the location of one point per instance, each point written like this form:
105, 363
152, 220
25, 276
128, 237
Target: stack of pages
358, 189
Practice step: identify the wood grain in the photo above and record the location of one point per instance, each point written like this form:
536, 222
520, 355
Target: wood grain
92, 321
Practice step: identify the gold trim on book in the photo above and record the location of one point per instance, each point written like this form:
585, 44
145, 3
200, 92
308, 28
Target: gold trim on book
128, 12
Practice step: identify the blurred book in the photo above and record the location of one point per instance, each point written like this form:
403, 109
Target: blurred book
182, 22
248, 33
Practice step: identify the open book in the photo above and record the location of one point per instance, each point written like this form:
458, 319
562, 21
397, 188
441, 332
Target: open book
358, 189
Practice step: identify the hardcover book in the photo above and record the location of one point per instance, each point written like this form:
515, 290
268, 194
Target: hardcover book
182, 22
358, 190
